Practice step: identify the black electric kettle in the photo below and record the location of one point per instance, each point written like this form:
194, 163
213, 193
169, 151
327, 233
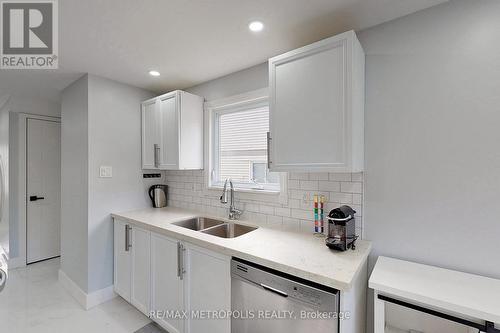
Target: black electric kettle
158, 195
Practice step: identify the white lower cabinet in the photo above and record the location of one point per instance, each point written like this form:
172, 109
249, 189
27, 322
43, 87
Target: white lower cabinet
166, 284
184, 285
122, 262
208, 290
141, 269
132, 264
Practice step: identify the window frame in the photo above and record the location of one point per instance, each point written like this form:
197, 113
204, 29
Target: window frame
214, 109
252, 170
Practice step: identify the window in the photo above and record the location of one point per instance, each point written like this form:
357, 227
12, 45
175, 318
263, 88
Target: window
239, 146
261, 174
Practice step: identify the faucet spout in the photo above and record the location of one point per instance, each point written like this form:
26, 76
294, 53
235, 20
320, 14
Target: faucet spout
223, 197
234, 213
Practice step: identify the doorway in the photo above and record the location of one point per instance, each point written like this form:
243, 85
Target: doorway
43, 189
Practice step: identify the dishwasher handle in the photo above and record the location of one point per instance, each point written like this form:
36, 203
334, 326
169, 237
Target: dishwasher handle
274, 290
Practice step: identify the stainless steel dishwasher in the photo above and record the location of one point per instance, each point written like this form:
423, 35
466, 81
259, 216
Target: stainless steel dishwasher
264, 301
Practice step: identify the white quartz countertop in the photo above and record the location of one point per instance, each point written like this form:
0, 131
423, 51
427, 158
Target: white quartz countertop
299, 254
462, 293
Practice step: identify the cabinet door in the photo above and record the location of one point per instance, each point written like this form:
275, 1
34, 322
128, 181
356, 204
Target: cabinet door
207, 288
122, 263
140, 293
151, 136
166, 283
308, 103
169, 154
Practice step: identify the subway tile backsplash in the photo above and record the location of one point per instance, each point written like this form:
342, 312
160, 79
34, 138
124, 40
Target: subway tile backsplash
187, 190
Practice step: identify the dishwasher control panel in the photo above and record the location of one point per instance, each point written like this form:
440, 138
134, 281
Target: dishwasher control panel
283, 284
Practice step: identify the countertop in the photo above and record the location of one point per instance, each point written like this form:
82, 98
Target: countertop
462, 293
299, 254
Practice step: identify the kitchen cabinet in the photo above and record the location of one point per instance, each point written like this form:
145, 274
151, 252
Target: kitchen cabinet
151, 138
122, 261
166, 283
207, 287
132, 264
156, 273
316, 105
172, 132
140, 268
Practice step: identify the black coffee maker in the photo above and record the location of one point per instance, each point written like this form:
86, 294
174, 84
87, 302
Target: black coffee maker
341, 229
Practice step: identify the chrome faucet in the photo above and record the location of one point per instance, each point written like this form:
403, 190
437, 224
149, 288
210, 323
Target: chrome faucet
234, 213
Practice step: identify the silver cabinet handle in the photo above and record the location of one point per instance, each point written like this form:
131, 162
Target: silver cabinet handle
128, 245
3, 279
268, 150
180, 261
156, 155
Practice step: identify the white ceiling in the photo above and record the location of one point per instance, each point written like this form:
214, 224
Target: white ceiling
189, 41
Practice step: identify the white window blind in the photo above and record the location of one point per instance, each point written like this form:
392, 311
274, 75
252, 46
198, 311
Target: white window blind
240, 148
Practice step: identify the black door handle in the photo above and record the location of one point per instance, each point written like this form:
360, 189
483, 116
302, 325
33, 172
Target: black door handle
35, 198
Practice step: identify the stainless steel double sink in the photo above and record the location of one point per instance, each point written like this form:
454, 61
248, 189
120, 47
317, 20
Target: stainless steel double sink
215, 227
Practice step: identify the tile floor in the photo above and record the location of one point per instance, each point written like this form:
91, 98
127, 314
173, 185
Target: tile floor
151, 328
33, 301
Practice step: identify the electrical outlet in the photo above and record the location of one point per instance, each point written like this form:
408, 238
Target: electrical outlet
105, 172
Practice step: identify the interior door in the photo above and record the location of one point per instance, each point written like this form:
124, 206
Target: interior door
2, 190
43, 179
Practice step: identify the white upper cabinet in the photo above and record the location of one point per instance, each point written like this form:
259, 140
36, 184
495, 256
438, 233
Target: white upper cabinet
172, 132
317, 107
151, 138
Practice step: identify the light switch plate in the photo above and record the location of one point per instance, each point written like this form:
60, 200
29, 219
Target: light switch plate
105, 172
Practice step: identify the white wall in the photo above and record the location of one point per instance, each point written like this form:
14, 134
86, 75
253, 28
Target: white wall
74, 182
432, 157
103, 123
114, 140
249, 79
432, 134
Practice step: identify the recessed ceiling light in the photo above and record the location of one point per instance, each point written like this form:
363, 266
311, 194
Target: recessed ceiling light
154, 73
256, 26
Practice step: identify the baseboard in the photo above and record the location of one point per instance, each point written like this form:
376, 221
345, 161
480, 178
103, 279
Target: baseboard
100, 296
16, 262
87, 301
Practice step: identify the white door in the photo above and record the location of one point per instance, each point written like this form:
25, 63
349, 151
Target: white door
151, 136
141, 242
122, 262
169, 132
43, 179
166, 284
208, 288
